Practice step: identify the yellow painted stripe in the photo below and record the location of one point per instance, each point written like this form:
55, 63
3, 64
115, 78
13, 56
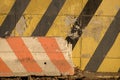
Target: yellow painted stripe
110, 65
2, 17
5, 6
76, 54
95, 31
37, 7
108, 8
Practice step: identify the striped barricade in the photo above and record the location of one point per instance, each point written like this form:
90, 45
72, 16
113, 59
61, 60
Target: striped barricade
45, 56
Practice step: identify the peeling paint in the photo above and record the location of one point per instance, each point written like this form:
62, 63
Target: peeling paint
95, 30
21, 26
75, 33
70, 20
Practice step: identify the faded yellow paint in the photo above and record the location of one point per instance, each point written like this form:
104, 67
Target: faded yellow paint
5, 6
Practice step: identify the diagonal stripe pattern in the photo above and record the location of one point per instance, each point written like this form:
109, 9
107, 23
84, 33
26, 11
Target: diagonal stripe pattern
36, 58
105, 44
22, 52
13, 16
83, 20
45, 24
55, 54
48, 18
4, 69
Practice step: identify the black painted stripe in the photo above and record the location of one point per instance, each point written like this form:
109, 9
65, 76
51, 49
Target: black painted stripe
48, 18
85, 17
88, 12
105, 45
13, 16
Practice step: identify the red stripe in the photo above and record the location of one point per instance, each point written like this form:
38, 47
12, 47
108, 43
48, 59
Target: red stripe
51, 47
23, 54
4, 69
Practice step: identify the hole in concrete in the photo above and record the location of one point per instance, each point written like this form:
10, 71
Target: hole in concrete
45, 63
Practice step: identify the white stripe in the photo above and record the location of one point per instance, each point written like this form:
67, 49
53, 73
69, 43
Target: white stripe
9, 57
40, 56
66, 49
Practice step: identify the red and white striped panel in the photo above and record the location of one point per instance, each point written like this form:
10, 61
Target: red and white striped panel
35, 56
